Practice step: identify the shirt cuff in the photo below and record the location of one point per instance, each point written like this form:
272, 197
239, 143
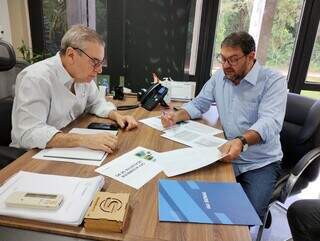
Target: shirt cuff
104, 109
38, 137
261, 129
192, 110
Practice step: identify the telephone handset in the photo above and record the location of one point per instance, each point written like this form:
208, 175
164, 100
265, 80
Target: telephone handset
153, 96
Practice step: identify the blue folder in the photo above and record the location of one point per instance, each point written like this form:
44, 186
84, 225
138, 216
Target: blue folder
205, 202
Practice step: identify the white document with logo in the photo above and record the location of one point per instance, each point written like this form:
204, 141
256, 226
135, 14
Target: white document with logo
77, 195
135, 168
78, 155
184, 160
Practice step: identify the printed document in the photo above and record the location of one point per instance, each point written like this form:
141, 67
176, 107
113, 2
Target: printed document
184, 160
193, 138
78, 155
135, 168
155, 122
77, 194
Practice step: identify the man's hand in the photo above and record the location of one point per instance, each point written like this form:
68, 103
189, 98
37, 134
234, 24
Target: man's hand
231, 149
168, 119
127, 122
124, 121
104, 142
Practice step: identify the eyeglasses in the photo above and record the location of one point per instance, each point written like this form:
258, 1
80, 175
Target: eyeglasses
232, 60
96, 63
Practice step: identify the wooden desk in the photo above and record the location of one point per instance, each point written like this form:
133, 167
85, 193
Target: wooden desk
144, 223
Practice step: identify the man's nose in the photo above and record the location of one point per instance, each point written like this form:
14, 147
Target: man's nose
99, 69
226, 64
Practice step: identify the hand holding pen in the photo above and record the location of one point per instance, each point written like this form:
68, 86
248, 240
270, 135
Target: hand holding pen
168, 119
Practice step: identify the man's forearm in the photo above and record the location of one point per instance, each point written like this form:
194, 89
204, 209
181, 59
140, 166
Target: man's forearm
182, 115
252, 137
65, 140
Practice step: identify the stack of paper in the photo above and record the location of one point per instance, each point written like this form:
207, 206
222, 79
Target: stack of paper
77, 194
140, 165
76, 154
185, 160
190, 133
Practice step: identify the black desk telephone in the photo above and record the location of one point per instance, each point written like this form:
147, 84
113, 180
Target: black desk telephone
153, 96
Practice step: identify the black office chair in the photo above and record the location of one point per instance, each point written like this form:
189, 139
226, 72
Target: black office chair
7, 154
300, 141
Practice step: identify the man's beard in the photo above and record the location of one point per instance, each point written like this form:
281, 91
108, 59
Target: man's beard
234, 77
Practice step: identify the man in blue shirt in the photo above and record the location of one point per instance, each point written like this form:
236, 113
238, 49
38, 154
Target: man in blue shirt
251, 102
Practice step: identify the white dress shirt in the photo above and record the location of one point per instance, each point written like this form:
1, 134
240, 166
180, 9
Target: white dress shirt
44, 104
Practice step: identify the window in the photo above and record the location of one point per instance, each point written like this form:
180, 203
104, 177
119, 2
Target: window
54, 25
273, 24
313, 75
101, 19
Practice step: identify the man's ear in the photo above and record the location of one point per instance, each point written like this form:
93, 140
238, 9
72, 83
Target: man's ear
70, 54
251, 55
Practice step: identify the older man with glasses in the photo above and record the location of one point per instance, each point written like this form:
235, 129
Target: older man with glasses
52, 93
251, 102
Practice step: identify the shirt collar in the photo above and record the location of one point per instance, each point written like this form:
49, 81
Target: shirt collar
252, 75
63, 74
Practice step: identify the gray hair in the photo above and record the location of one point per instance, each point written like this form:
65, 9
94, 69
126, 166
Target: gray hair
77, 37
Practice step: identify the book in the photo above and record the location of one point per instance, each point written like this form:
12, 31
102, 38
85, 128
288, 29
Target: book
205, 202
107, 212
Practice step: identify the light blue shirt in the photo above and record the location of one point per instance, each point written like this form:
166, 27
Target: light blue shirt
258, 103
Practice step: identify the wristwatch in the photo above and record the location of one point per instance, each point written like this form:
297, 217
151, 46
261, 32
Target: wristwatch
244, 143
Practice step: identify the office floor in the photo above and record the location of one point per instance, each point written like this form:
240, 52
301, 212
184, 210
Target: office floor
279, 230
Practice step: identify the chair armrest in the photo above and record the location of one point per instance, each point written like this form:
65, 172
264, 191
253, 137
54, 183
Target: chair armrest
295, 175
305, 161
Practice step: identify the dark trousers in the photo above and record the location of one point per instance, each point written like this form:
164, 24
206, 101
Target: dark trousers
258, 184
304, 220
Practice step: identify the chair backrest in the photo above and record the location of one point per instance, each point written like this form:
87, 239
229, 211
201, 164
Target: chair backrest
7, 62
5, 121
7, 56
300, 141
301, 129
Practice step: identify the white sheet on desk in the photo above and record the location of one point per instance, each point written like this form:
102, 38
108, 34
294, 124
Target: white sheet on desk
131, 169
155, 123
77, 195
195, 127
71, 154
184, 160
192, 138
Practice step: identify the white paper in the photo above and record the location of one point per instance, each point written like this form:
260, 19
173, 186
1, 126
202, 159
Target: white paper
187, 159
78, 155
193, 139
153, 122
135, 168
77, 194
195, 127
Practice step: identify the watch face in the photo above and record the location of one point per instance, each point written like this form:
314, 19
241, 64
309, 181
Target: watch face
245, 147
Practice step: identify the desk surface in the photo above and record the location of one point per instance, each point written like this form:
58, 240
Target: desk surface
143, 222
